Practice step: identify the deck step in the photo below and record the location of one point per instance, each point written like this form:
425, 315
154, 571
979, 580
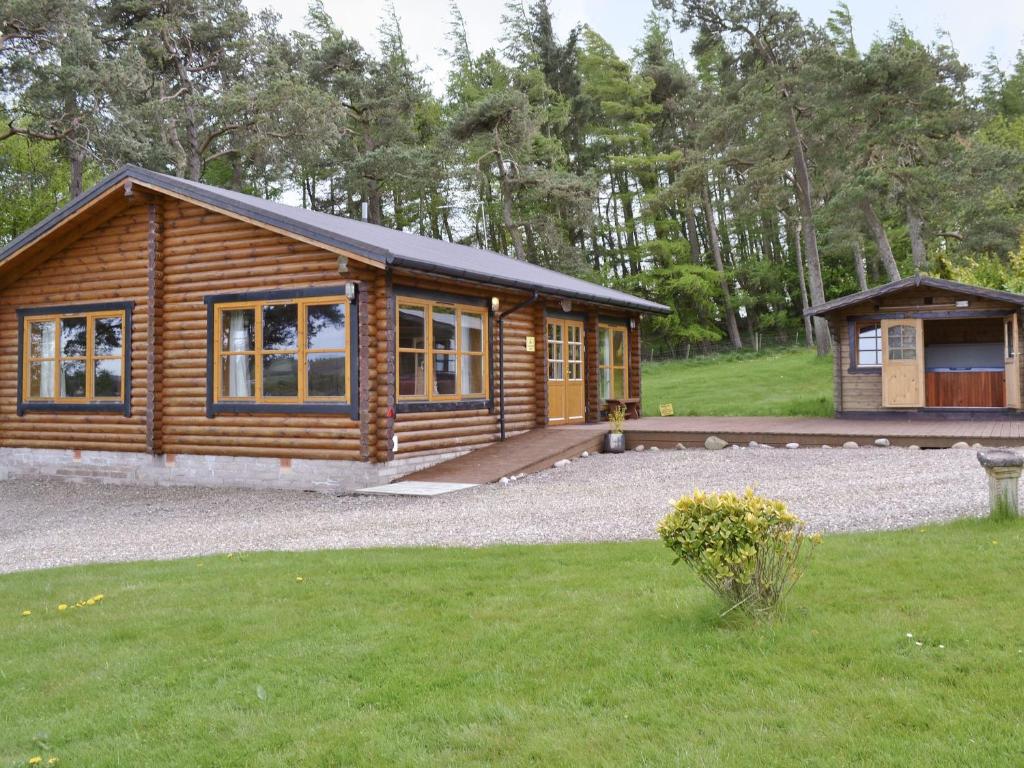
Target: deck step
520, 455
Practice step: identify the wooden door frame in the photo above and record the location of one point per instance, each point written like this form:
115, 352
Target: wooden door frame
565, 320
1011, 361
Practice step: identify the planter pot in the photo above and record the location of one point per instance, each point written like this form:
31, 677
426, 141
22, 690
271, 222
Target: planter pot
614, 442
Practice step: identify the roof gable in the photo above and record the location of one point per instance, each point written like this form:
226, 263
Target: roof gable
916, 281
366, 242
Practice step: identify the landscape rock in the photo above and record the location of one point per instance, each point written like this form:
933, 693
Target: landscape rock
504, 481
585, 454
913, 447
825, 445
562, 463
715, 443
977, 445
754, 444
882, 442
639, 448
960, 444
850, 444
792, 445
680, 447
655, 448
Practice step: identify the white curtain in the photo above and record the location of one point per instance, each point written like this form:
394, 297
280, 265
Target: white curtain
238, 341
48, 342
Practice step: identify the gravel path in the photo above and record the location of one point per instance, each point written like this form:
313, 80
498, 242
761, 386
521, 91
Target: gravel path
600, 498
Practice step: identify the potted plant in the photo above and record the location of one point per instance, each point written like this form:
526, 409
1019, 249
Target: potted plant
615, 441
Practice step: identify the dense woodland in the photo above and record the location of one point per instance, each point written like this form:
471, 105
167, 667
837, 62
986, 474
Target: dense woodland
771, 167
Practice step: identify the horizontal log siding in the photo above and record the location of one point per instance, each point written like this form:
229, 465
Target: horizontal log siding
108, 264
204, 253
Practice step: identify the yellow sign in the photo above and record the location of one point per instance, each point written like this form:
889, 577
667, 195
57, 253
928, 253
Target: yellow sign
531, 344
666, 409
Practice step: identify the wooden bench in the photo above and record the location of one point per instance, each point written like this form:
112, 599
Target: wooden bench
631, 404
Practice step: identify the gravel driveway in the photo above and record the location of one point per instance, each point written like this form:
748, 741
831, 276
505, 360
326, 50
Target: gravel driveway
600, 498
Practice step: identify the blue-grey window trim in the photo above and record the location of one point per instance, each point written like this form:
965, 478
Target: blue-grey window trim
350, 408
851, 332
442, 297
118, 406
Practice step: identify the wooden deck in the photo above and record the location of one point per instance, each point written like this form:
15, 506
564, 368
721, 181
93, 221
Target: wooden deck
523, 454
691, 431
540, 448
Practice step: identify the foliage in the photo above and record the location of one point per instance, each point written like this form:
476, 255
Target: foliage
616, 418
746, 549
737, 190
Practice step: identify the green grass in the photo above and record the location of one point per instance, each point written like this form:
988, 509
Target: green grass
792, 382
590, 655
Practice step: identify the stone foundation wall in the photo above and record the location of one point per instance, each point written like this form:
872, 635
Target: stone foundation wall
207, 471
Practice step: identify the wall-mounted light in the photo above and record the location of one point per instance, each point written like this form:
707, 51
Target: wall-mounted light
342, 264
350, 291
495, 304
632, 323
566, 305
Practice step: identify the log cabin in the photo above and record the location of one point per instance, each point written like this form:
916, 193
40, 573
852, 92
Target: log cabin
926, 347
161, 330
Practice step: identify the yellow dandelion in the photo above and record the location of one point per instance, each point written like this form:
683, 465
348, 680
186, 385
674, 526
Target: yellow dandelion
62, 607
35, 760
53, 761
26, 613
98, 598
231, 554
90, 601
299, 578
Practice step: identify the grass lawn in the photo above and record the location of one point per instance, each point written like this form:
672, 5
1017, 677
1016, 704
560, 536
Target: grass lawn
792, 382
567, 655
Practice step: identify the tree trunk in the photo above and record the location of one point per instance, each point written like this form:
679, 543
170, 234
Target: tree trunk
881, 239
804, 303
716, 252
917, 248
691, 234
858, 265
805, 196
77, 163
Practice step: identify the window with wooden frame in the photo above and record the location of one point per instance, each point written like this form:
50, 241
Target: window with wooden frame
442, 351
281, 351
612, 362
868, 344
75, 358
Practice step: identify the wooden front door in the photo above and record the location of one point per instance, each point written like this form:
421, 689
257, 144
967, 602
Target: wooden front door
1011, 368
903, 383
566, 401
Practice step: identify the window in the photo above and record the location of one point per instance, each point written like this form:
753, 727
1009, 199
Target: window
611, 346
869, 345
1009, 333
75, 357
902, 342
288, 350
441, 351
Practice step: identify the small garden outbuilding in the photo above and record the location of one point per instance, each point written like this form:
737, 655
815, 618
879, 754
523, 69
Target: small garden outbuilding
926, 345
165, 330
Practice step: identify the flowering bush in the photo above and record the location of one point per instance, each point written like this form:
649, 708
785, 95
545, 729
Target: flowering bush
747, 549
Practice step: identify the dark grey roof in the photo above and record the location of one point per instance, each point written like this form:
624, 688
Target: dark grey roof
913, 282
377, 243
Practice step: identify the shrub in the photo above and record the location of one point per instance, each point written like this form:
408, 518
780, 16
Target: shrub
617, 417
747, 549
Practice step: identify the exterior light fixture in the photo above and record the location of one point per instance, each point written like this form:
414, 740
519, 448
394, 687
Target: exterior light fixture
342, 264
632, 323
350, 291
495, 304
566, 305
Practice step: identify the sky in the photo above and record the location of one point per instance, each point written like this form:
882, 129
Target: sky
976, 27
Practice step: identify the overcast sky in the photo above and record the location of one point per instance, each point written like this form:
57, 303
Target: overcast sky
976, 27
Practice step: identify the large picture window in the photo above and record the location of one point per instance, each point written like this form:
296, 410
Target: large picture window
441, 351
75, 357
612, 379
282, 351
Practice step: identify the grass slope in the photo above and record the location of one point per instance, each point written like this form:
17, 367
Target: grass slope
782, 383
568, 655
